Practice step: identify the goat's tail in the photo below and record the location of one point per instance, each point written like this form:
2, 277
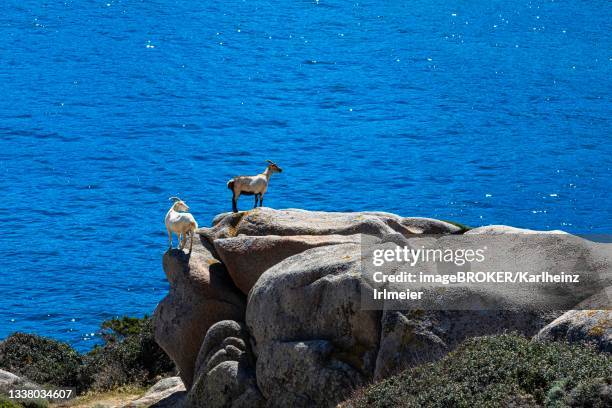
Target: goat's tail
194, 225
230, 184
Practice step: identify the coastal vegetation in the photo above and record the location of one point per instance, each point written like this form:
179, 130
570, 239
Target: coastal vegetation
502, 370
41, 360
128, 355
5, 402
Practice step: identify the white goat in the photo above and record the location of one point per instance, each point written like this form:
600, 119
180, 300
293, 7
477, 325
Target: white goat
252, 185
179, 221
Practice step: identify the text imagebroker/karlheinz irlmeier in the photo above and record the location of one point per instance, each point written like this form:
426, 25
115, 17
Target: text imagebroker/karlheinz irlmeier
477, 277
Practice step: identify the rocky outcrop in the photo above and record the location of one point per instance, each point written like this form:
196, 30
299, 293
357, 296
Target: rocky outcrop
581, 326
266, 221
248, 257
225, 372
201, 294
304, 336
300, 362
166, 393
10, 381
251, 242
505, 229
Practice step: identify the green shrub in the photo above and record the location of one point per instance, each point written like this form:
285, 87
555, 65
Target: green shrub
504, 370
129, 355
118, 328
464, 228
5, 402
34, 404
556, 394
595, 392
41, 360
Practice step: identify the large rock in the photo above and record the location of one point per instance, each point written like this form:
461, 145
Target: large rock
522, 259
10, 381
310, 373
582, 326
453, 313
311, 338
339, 342
166, 393
505, 229
314, 343
250, 242
247, 257
201, 294
267, 221
225, 373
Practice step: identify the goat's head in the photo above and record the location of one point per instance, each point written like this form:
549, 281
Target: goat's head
179, 205
274, 167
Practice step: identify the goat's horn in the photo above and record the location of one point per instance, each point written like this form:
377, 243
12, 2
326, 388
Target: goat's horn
270, 161
174, 199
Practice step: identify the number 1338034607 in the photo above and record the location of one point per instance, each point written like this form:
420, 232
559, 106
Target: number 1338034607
48, 394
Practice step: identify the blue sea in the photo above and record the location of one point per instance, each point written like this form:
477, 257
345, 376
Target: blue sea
482, 112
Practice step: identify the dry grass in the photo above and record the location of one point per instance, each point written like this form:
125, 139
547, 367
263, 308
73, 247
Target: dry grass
116, 398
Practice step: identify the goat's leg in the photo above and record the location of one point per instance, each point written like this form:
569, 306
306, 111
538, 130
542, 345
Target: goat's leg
169, 237
183, 240
261, 200
191, 234
256, 198
235, 202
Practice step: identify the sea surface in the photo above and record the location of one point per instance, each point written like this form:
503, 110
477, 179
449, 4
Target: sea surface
482, 112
